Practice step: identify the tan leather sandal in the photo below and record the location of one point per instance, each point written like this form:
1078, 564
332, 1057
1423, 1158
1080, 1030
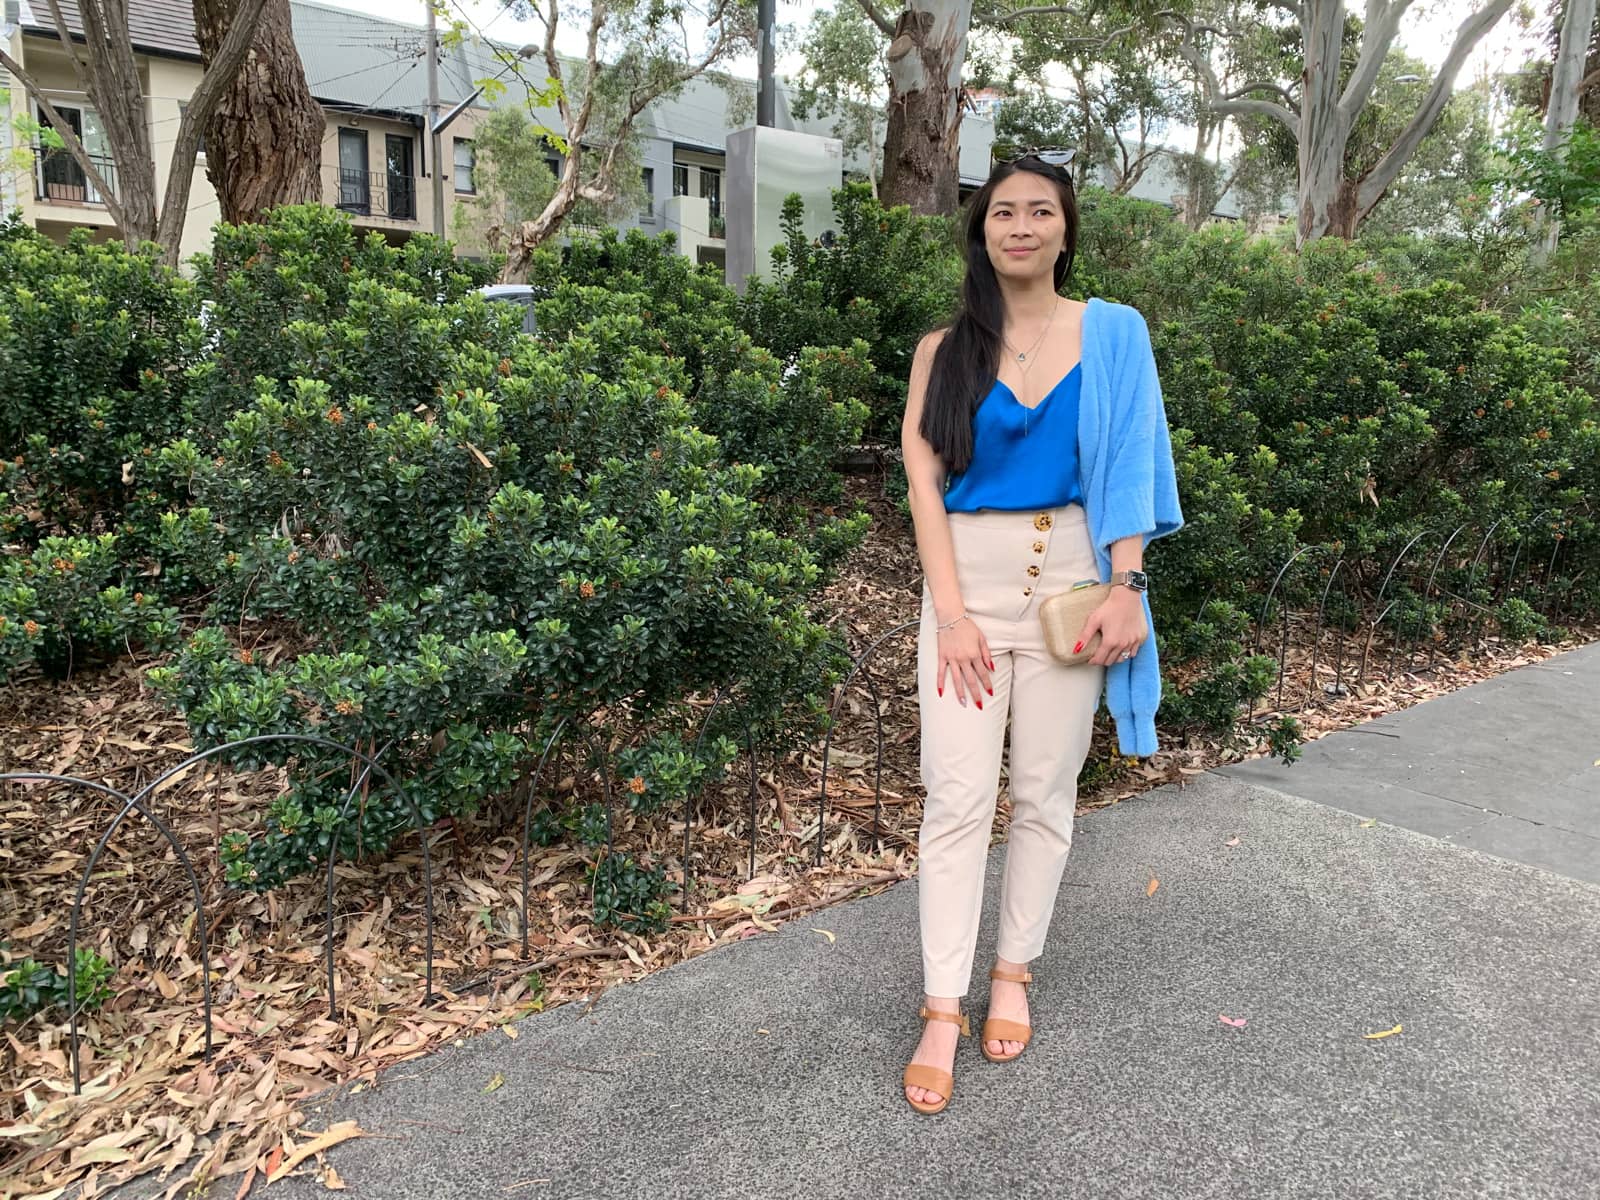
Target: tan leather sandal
997, 1029
931, 1078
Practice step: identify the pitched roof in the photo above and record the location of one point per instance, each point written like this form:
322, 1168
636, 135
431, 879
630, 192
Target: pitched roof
155, 26
353, 60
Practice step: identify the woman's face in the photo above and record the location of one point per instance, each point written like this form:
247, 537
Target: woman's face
1025, 229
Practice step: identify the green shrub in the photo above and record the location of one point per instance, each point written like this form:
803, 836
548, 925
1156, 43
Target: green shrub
28, 987
889, 277
628, 895
1518, 620
522, 531
65, 603
94, 345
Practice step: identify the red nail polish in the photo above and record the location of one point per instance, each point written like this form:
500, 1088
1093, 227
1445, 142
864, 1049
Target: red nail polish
1078, 648
979, 699
941, 691
991, 691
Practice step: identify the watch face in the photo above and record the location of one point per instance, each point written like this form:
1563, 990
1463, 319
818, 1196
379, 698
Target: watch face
1139, 580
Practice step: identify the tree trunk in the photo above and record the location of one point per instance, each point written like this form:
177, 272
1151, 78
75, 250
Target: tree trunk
921, 151
1565, 83
264, 138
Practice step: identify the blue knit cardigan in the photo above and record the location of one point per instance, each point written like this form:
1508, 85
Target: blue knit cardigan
1130, 486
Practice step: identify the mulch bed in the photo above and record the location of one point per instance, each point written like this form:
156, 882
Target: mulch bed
150, 1103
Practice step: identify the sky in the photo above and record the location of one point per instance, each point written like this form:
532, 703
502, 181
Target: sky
1426, 32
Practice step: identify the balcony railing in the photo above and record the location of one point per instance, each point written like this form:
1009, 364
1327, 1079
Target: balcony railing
376, 194
58, 179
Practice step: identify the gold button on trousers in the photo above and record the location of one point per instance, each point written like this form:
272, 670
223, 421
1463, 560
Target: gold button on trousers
1050, 708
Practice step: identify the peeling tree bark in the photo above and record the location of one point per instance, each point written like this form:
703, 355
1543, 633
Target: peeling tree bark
921, 151
264, 138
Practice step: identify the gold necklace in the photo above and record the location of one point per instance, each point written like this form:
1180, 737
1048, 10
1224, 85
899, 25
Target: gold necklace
1022, 357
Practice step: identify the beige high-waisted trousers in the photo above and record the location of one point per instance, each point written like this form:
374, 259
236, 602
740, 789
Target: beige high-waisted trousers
1006, 564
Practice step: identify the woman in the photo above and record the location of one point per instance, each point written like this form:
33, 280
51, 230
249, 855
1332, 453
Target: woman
1037, 454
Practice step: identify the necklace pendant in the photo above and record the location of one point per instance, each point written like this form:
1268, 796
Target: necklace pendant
1023, 357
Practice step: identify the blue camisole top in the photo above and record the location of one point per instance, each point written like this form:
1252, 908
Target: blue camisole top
1013, 470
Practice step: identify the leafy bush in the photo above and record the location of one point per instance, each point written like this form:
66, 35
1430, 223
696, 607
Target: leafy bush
507, 533
64, 603
94, 345
28, 987
888, 278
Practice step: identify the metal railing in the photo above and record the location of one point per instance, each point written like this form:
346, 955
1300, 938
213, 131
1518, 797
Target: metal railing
59, 179
375, 194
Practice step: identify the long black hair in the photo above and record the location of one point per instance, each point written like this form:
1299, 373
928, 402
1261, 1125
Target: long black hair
967, 361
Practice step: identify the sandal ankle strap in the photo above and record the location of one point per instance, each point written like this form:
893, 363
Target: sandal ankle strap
928, 1014
1011, 977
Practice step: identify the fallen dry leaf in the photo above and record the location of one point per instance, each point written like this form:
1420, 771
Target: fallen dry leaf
342, 1132
496, 1082
1154, 884
827, 933
1372, 1037
1236, 1022
331, 1181
510, 1031
1231, 842
1369, 823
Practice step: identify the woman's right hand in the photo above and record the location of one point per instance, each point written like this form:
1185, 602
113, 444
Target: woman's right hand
964, 652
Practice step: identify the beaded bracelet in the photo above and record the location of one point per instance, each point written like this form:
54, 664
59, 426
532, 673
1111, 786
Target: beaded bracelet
957, 621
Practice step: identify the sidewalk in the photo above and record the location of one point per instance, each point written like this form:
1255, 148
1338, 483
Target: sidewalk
771, 1068
1510, 766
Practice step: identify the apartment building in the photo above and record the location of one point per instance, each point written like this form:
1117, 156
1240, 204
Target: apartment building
370, 76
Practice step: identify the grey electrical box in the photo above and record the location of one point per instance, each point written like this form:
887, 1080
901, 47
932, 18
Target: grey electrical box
765, 165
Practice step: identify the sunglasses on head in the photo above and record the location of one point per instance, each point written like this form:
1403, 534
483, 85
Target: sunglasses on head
1050, 156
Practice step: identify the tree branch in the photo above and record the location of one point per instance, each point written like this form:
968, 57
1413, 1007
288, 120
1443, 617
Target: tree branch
1230, 105
1288, 96
1377, 181
66, 44
74, 145
877, 18
1378, 34
1042, 10
218, 79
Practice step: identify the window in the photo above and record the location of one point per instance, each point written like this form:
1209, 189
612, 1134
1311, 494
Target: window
648, 213
355, 184
60, 178
552, 163
466, 160
680, 179
397, 149
711, 189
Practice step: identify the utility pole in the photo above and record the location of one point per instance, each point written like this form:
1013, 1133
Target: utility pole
766, 89
435, 140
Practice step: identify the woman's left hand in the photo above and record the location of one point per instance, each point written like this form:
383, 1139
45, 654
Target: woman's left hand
1121, 624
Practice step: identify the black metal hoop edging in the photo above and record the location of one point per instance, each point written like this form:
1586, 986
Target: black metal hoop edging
827, 748
134, 803
1427, 591
373, 767
1338, 661
527, 823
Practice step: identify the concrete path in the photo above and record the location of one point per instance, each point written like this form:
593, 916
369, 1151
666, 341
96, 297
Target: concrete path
771, 1068
1510, 767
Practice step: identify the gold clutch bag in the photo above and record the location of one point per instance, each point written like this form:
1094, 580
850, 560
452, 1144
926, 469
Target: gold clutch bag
1064, 616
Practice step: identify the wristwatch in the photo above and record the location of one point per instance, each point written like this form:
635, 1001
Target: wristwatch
1137, 580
